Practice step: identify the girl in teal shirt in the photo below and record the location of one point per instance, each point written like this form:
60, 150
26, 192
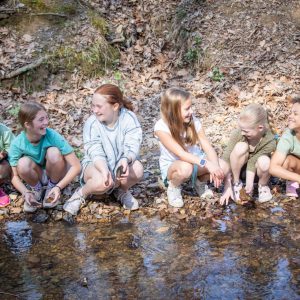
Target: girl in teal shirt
6, 137
40, 156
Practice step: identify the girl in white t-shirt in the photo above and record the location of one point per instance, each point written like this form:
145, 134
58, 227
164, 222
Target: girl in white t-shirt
185, 149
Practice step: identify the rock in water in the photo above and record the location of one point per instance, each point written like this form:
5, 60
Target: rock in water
69, 219
40, 217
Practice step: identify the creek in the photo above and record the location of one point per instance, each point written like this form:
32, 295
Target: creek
245, 254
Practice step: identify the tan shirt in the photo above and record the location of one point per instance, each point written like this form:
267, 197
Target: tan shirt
266, 146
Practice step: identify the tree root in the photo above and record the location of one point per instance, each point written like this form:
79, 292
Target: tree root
24, 69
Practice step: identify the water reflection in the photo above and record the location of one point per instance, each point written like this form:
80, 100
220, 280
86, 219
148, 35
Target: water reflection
243, 255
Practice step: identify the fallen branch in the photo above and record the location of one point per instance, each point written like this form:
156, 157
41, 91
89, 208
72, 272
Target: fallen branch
49, 14
9, 294
24, 68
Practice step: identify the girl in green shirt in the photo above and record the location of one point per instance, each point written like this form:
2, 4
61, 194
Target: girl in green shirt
251, 146
40, 156
6, 137
285, 162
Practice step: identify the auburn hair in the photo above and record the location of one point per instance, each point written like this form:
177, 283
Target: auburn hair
170, 107
114, 95
28, 112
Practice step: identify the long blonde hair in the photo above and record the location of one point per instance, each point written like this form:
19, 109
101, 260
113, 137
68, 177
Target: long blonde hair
170, 108
256, 114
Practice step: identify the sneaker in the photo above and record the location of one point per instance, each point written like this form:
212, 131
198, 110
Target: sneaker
126, 198
203, 190
291, 188
29, 208
47, 201
174, 196
236, 190
264, 194
4, 198
73, 205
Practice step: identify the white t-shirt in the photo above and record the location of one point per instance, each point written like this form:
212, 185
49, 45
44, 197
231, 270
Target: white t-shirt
167, 157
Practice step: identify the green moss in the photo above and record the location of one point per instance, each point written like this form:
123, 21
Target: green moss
55, 6
98, 22
91, 61
37, 5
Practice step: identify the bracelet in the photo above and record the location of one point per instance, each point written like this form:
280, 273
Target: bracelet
60, 189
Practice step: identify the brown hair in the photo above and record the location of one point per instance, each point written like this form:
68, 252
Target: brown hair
170, 107
295, 99
28, 111
256, 114
114, 95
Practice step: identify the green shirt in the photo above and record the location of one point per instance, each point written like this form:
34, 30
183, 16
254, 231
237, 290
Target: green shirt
6, 136
21, 146
289, 144
266, 146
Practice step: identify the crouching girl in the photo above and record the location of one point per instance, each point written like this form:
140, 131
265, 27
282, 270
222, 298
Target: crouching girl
39, 157
184, 148
285, 162
112, 137
6, 136
250, 148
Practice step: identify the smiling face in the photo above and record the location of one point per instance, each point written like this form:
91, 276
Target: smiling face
294, 117
103, 110
251, 132
186, 111
38, 125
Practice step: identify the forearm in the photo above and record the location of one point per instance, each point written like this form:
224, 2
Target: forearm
18, 184
212, 156
70, 175
188, 157
283, 173
249, 180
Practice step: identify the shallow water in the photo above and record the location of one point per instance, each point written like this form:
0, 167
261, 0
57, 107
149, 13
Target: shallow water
246, 254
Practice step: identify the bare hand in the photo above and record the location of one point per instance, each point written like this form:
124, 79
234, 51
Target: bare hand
216, 173
31, 200
248, 189
124, 164
55, 194
108, 181
226, 196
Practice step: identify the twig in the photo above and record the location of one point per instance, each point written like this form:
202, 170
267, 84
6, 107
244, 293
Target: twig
4, 293
24, 68
49, 14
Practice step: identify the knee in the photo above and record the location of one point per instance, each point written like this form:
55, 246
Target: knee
99, 187
138, 171
241, 148
53, 155
25, 164
263, 163
185, 171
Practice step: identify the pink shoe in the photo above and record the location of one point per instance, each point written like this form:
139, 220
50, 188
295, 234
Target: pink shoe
291, 187
4, 199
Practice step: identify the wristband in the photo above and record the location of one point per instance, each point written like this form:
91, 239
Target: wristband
202, 162
58, 187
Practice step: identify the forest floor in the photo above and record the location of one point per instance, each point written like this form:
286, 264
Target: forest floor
227, 53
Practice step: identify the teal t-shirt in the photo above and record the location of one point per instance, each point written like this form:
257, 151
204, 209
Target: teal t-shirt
289, 144
21, 146
6, 137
